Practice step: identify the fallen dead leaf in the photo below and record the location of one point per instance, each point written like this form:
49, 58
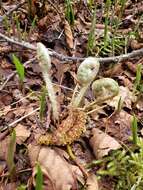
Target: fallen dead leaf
92, 183
58, 173
139, 104
68, 34
135, 44
2, 166
3, 148
102, 143
21, 134
8, 186
126, 98
119, 125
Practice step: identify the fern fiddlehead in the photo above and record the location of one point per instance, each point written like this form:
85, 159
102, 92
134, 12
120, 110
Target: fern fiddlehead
86, 73
103, 90
45, 64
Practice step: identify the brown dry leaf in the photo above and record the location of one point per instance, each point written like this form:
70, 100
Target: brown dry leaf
139, 104
33, 152
5, 64
57, 172
115, 71
5, 99
2, 166
135, 44
68, 34
5, 49
92, 183
119, 125
8, 186
43, 22
21, 134
79, 175
102, 143
3, 148
20, 111
5, 110
126, 96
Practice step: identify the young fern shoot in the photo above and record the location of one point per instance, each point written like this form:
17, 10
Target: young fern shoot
86, 73
103, 90
45, 64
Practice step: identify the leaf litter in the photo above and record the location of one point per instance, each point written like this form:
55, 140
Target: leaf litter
107, 128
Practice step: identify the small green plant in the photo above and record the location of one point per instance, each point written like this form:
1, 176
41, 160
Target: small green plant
39, 178
7, 24
10, 154
138, 85
31, 9
19, 33
33, 25
21, 187
90, 3
19, 68
122, 3
107, 10
91, 38
119, 105
124, 166
69, 12
134, 129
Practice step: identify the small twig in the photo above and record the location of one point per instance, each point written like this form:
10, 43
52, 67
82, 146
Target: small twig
15, 41
12, 74
61, 57
17, 172
23, 117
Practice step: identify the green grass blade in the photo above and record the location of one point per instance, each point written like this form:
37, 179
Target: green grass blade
134, 128
69, 12
107, 10
39, 178
21, 187
19, 67
91, 37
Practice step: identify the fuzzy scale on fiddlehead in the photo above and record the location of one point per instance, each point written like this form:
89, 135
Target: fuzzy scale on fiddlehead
45, 64
86, 73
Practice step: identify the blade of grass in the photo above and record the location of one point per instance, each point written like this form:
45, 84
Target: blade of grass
39, 178
107, 10
19, 67
69, 12
134, 128
91, 37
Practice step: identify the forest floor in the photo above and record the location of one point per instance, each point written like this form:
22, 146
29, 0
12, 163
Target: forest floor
88, 146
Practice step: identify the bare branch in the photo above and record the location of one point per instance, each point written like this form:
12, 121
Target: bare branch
61, 57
